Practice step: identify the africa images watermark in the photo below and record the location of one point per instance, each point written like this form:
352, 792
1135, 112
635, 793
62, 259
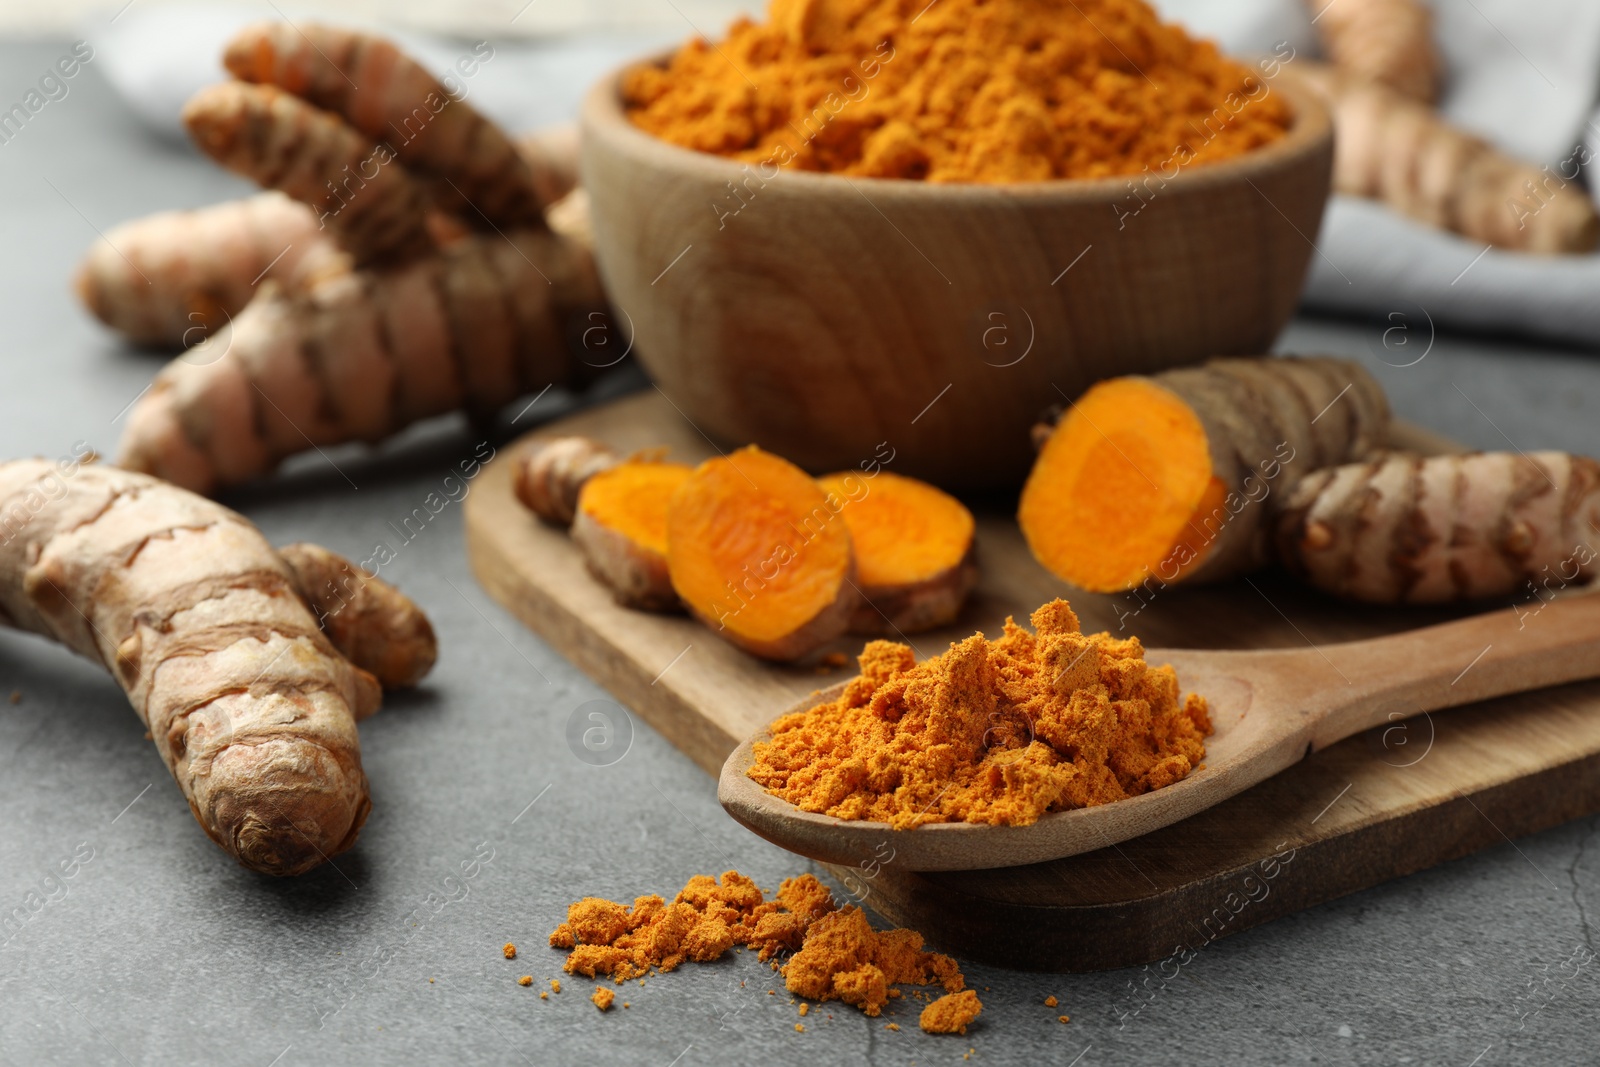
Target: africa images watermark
852, 90
1204, 531
1143, 188
453, 489
811, 526
1252, 888
46, 490
1536, 195
343, 189
51, 86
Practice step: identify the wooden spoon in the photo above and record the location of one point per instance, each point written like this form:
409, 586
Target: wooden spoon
1270, 708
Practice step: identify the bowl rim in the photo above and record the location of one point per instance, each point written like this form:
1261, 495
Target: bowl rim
1311, 132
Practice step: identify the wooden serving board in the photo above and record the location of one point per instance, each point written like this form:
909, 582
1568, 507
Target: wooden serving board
1394, 801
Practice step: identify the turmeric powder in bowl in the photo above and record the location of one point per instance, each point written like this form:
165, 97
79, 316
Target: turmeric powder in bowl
958, 91
996, 732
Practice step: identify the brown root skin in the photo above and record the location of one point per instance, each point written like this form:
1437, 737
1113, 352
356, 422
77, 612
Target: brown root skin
1220, 440
886, 611
1441, 529
441, 318
201, 622
1401, 152
274, 138
551, 154
389, 97
1389, 42
553, 472
176, 278
360, 356
373, 624
636, 576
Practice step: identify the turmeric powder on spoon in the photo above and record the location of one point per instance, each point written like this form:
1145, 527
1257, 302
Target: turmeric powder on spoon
996, 732
958, 91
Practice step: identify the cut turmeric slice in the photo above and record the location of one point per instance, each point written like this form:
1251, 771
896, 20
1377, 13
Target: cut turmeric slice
1164, 478
758, 551
621, 525
915, 553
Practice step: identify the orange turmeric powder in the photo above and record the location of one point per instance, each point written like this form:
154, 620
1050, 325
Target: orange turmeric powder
957, 91
837, 955
990, 731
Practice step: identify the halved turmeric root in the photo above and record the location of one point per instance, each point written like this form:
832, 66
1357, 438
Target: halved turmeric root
621, 525
914, 548
758, 551
1409, 529
1164, 476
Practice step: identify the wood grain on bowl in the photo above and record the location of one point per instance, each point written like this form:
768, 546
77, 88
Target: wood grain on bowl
819, 315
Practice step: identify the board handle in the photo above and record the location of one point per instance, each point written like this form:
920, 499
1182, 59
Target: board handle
1529, 646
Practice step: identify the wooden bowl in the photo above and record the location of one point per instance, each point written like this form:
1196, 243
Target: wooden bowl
832, 319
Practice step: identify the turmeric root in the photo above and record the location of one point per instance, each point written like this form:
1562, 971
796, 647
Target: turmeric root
1408, 529
358, 355
758, 551
386, 96
175, 278
621, 526
204, 626
552, 474
1393, 149
1165, 476
915, 552
279, 140
1385, 41
369, 621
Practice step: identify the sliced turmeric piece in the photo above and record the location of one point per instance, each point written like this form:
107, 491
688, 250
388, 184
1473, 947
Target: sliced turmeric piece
758, 551
915, 553
621, 525
1164, 478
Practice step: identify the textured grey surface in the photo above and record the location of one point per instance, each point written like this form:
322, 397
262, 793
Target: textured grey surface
159, 950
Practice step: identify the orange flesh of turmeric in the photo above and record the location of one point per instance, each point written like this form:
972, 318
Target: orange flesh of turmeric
1115, 491
753, 545
631, 498
994, 732
905, 531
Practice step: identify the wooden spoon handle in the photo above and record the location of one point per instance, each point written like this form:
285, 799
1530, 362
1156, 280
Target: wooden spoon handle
1525, 647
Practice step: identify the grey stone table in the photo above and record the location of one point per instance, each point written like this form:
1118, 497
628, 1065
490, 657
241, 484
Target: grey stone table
159, 950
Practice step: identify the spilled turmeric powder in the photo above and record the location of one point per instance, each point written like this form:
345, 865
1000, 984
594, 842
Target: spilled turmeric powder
990, 731
951, 1013
836, 954
958, 91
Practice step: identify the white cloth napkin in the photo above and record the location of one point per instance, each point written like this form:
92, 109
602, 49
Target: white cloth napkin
1521, 73
158, 57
